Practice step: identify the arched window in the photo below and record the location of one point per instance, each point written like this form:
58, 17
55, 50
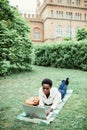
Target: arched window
69, 15
78, 16
85, 17
59, 14
68, 1
59, 1
51, 13
77, 2
68, 30
36, 34
58, 31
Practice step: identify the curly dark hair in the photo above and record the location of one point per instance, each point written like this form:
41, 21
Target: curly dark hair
47, 81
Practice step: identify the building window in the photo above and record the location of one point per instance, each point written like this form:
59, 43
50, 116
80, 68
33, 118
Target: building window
68, 15
58, 31
77, 2
59, 14
59, 1
85, 17
51, 13
68, 1
36, 34
78, 16
68, 30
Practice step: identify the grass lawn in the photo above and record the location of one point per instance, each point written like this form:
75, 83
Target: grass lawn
15, 89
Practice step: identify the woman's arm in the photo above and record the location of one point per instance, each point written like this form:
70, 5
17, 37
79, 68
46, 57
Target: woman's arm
56, 100
48, 111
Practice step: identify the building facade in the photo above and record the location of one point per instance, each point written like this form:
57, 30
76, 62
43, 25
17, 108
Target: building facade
56, 19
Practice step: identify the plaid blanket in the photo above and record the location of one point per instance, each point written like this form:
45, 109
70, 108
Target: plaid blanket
53, 115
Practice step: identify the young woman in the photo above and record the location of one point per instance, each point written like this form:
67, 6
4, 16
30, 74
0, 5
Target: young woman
49, 95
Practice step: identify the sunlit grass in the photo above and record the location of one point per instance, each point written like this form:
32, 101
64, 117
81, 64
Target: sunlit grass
15, 89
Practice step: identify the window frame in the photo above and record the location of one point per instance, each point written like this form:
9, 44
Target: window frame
59, 1
69, 15
37, 34
78, 2
59, 14
59, 31
68, 30
51, 13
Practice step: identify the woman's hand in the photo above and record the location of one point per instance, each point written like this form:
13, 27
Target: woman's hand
48, 111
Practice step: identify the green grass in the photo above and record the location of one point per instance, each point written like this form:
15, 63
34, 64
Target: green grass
15, 89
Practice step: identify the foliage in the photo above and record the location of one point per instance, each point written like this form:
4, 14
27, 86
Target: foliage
15, 89
15, 46
81, 34
66, 39
64, 55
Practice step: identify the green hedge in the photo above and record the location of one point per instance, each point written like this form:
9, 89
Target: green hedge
16, 57
65, 55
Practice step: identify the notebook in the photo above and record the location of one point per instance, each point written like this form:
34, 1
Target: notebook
36, 112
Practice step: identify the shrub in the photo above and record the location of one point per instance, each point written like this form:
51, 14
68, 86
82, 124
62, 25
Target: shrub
15, 46
81, 34
70, 55
66, 39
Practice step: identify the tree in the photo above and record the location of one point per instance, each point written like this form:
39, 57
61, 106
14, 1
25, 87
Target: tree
15, 45
81, 34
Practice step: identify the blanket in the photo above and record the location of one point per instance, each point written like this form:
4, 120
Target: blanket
53, 115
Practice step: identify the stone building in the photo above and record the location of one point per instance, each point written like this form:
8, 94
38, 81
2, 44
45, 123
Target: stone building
56, 19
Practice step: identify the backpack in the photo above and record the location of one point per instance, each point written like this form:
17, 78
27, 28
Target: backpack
32, 101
